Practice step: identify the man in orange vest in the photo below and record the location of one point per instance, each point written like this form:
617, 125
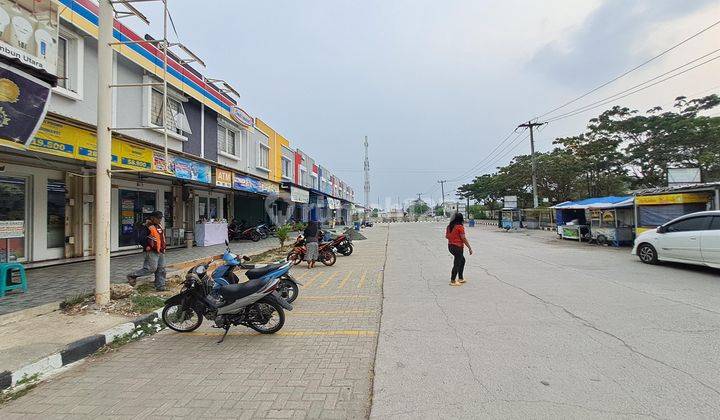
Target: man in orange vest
153, 241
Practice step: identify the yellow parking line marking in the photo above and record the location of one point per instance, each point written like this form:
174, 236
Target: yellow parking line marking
312, 280
345, 279
361, 283
334, 297
296, 333
347, 312
379, 279
329, 279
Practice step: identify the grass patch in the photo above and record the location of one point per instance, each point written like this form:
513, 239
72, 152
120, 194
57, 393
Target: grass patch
139, 332
145, 288
73, 300
146, 303
22, 387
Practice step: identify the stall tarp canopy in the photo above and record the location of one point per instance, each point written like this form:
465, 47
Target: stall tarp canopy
610, 202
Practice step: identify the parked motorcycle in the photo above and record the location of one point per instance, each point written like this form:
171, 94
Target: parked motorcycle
342, 244
287, 287
265, 230
255, 303
326, 255
237, 232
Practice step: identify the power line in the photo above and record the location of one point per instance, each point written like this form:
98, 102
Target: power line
631, 70
615, 97
474, 167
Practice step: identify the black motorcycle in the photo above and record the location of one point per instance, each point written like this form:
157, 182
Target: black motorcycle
255, 304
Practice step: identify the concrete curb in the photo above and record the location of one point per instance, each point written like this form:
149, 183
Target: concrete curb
75, 351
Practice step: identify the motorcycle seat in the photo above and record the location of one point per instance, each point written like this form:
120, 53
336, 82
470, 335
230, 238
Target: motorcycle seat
255, 273
233, 292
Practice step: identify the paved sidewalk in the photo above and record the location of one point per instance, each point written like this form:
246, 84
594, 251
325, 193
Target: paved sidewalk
320, 365
53, 284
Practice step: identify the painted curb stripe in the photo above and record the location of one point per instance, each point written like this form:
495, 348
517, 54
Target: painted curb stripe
82, 348
5, 379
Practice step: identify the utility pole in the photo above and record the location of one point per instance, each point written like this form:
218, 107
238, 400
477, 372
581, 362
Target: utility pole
367, 177
106, 16
532, 125
442, 188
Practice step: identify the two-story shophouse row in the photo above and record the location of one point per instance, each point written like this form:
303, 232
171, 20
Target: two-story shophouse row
223, 163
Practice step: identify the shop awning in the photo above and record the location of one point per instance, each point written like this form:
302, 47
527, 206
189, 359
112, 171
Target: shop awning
609, 202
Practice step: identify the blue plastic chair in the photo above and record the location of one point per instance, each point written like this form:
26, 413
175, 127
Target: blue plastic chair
6, 284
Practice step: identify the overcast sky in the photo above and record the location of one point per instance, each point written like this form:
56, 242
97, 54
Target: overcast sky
437, 85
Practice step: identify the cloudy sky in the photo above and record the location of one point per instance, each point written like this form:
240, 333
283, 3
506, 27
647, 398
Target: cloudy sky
436, 86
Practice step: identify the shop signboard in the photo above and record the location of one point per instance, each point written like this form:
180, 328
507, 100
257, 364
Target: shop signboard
298, 195
333, 203
269, 188
246, 183
64, 140
510, 202
29, 33
23, 105
223, 178
182, 168
241, 117
680, 198
12, 229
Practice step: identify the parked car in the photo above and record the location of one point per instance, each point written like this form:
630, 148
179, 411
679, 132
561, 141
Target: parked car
693, 238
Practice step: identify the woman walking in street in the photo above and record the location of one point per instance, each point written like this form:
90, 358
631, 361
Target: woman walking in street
311, 243
455, 234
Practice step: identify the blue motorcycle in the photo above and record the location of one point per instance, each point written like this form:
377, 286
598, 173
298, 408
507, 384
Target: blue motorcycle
287, 286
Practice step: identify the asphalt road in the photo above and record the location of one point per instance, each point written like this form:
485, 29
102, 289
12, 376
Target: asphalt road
543, 329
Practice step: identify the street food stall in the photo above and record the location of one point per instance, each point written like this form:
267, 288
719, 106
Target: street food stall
612, 223
656, 206
511, 219
573, 220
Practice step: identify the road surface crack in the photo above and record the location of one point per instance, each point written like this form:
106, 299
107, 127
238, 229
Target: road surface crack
450, 325
595, 410
590, 325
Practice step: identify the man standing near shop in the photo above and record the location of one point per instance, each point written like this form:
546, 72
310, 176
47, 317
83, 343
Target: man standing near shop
152, 237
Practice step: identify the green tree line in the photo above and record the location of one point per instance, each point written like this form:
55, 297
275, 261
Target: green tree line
620, 150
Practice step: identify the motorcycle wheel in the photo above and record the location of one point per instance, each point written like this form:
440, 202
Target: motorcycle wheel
288, 290
294, 257
270, 317
255, 237
347, 250
181, 321
328, 258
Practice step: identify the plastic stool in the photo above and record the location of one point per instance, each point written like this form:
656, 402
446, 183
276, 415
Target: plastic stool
6, 284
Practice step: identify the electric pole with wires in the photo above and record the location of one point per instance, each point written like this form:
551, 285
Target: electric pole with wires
531, 126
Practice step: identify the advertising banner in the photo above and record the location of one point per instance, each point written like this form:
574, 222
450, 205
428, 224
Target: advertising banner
23, 105
223, 178
299, 195
182, 168
29, 33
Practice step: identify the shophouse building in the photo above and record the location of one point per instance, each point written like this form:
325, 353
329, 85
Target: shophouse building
221, 162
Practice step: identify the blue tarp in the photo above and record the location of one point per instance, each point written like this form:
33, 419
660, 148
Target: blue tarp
570, 210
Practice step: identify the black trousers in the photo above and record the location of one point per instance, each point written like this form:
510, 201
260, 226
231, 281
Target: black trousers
458, 261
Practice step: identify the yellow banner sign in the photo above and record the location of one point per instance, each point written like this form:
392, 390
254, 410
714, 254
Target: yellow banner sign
680, 198
77, 143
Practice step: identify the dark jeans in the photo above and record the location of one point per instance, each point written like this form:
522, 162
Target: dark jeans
458, 262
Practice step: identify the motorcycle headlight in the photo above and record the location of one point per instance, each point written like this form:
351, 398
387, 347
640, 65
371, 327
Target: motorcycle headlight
199, 270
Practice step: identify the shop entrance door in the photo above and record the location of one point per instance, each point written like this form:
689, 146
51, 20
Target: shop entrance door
13, 207
135, 208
